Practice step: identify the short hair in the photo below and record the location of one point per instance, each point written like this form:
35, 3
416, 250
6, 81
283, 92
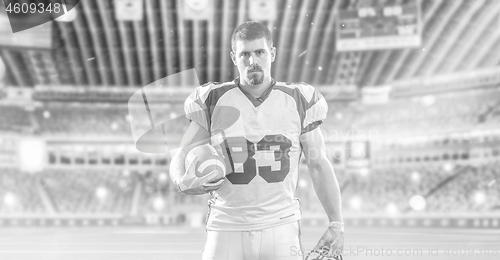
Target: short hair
249, 31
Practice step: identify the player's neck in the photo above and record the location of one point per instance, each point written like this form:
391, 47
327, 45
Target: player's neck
256, 90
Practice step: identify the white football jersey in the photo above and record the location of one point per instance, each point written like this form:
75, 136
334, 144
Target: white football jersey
260, 141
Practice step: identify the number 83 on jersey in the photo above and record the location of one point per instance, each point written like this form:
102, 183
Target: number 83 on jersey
269, 157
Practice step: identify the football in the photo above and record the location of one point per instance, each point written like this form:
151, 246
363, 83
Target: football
203, 164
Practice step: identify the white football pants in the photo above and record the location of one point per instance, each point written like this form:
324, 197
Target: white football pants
277, 243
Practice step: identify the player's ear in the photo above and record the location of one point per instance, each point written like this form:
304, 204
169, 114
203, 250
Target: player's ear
233, 57
273, 54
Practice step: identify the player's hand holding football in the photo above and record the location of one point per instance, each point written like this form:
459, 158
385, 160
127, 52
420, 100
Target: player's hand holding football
331, 243
205, 188
205, 171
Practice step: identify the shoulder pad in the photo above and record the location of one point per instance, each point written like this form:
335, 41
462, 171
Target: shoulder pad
305, 89
210, 83
206, 84
297, 83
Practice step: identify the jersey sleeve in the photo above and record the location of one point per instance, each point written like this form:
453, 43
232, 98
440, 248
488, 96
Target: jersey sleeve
315, 112
195, 107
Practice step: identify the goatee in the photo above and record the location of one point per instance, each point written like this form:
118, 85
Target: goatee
256, 79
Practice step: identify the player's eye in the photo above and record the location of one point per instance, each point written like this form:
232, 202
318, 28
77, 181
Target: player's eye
260, 52
245, 54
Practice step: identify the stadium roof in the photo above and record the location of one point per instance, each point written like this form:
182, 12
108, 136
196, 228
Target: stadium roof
98, 50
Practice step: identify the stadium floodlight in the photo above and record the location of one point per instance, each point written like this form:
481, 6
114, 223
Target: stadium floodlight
479, 197
32, 155
121, 149
302, 183
158, 203
173, 115
78, 148
197, 10
415, 176
114, 126
10, 199
364, 172
263, 10
162, 177
392, 209
428, 100
355, 203
101, 193
339, 115
417, 203
448, 167
129, 10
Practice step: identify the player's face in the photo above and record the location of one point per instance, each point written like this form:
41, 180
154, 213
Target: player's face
253, 59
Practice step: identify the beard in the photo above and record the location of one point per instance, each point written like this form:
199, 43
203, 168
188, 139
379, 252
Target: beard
255, 75
256, 78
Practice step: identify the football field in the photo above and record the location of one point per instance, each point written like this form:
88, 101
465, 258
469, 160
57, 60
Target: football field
178, 243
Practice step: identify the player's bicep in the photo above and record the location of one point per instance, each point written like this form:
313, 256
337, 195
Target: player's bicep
313, 146
195, 135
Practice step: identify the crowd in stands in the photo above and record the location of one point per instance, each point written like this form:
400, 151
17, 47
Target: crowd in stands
475, 190
459, 190
104, 120
157, 194
14, 119
18, 193
88, 191
385, 190
433, 113
82, 120
439, 113
76, 191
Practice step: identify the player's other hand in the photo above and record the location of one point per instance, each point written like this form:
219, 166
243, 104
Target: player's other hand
331, 244
205, 188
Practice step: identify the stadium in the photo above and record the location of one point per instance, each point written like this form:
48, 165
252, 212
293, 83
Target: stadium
413, 125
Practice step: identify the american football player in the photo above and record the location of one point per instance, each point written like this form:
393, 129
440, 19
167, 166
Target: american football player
253, 213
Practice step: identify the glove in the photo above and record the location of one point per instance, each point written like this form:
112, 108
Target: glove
331, 243
189, 180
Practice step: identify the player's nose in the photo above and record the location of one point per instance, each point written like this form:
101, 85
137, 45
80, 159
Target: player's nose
251, 60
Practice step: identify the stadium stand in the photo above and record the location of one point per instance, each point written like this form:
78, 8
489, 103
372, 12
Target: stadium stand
476, 190
96, 120
14, 119
82, 120
383, 191
18, 194
447, 121
388, 190
432, 113
89, 191
160, 197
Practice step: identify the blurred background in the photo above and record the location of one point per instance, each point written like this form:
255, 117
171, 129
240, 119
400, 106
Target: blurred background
413, 88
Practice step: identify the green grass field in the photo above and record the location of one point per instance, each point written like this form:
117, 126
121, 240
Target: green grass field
178, 243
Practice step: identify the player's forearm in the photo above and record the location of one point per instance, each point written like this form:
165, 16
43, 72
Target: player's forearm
177, 167
327, 189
